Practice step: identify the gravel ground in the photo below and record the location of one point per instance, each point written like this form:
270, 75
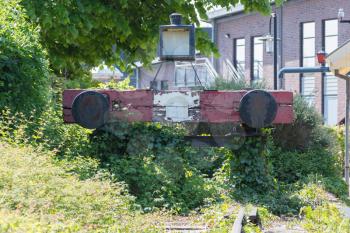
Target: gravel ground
285, 225
292, 225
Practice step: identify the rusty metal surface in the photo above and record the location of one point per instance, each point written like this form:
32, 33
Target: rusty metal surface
258, 109
90, 109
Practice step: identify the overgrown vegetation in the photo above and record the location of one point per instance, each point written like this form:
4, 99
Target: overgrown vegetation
39, 196
162, 171
325, 218
221, 83
80, 186
24, 73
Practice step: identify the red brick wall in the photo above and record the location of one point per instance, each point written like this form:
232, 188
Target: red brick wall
293, 13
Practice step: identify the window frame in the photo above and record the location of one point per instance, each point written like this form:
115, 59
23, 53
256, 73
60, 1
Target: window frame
302, 57
252, 60
326, 75
235, 50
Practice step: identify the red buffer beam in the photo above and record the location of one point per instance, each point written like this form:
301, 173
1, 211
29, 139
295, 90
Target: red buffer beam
95, 107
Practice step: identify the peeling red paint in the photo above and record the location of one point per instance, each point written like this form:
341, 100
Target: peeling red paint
203, 106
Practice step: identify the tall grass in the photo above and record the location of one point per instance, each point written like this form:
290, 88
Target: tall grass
36, 195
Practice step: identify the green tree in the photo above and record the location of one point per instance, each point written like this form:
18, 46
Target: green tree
80, 34
24, 72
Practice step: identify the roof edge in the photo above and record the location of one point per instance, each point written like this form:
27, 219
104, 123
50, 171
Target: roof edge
223, 12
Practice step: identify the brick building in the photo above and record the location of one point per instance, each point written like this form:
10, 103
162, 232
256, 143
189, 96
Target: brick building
304, 28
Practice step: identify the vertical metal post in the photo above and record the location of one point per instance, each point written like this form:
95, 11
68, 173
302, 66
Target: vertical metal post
275, 68
346, 161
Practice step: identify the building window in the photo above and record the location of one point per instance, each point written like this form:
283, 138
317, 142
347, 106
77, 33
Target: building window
330, 35
239, 55
330, 82
258, 55
308, 60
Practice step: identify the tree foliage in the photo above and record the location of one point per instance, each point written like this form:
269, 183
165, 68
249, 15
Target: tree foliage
24, 72
79, 34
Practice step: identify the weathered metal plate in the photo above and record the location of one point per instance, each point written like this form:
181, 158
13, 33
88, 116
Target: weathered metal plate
180, 106
258, 109
90, 109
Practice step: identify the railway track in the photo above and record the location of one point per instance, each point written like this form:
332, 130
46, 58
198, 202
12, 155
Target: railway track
182, 227
188, 226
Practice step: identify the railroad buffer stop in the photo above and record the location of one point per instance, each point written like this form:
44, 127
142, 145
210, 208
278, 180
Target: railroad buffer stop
252, 109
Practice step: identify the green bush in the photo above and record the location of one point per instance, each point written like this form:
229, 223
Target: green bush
293, 166
231, 84
337, 186
305, 132
279, 200
156, 164
24, 73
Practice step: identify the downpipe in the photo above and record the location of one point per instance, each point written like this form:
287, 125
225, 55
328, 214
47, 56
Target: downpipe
300, 70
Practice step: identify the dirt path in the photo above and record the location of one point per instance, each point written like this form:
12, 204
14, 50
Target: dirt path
344, 209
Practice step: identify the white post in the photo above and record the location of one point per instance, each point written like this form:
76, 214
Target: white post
346, 162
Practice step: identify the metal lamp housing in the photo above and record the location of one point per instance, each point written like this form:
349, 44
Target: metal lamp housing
268, 39
177, 42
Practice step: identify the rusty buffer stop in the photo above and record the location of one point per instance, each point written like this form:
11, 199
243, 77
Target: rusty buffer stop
255, 109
